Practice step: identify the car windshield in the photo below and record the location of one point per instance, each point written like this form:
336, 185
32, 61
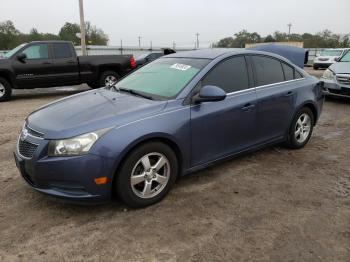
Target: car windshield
13, 51
346, 57
163, 78
331, 53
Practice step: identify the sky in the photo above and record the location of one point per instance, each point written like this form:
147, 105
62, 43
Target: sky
166, 21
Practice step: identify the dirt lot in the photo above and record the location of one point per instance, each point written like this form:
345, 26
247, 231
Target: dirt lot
273, 205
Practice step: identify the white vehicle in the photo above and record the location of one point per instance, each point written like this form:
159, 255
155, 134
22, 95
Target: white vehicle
328, 57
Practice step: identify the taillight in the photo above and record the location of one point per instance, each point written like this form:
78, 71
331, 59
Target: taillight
132, 62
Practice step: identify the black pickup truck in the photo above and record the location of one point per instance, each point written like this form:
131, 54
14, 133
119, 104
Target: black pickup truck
55, 63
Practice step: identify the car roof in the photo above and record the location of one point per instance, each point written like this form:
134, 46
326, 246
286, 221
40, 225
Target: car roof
217, 52
49, 41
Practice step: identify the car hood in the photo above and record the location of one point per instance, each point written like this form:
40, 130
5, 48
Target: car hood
4, 61
90, 111
341, 68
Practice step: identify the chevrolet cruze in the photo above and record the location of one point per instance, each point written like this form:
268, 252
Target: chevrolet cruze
173, 116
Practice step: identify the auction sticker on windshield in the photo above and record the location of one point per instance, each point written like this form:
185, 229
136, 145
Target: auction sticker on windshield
181, 67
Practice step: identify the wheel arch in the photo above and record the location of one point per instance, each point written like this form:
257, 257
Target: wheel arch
110, 67
7, 75
312, 107
159, 137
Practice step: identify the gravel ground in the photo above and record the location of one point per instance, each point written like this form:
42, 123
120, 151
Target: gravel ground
272, 205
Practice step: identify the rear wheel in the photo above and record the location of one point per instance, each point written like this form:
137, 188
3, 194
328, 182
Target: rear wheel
301, 129
108, 78
315, 67
147, 174
5, 90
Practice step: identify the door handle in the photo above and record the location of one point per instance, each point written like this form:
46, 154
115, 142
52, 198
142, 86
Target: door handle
46, 63
247, 107
289, 93
70, 62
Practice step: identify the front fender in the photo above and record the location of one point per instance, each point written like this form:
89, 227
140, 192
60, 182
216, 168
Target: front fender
172, 126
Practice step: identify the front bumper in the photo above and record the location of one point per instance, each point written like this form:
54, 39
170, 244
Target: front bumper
68, 178
332, 88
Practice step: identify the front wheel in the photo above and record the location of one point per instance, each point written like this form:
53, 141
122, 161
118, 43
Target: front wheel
147, 174
301, 129
5, 90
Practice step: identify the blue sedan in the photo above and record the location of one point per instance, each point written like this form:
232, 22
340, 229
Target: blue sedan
173, 116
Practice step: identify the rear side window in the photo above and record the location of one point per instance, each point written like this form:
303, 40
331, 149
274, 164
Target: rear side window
231, 75
62, 50
288, 72
268, 70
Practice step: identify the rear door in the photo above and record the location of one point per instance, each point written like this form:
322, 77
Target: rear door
276, 93
36, 70
221, 128
65, 64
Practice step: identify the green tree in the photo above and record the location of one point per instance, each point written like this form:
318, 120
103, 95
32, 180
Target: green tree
8, 35
69, 32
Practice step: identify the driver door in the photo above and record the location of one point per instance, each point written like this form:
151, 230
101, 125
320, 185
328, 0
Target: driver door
36, 70
219, 129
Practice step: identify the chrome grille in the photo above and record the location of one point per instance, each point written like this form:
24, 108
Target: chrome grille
343, 79
26, 149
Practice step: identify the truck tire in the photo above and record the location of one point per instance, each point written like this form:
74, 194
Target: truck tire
107, 78
5, 90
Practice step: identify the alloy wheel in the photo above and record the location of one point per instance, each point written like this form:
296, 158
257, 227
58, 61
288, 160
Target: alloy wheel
2, 90
150, 175
302, 128
110, 80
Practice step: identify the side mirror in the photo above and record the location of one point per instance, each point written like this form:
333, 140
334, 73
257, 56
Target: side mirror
209, 94
337, 59
22, 57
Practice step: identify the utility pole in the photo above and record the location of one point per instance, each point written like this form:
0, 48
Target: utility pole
82, 28
151, 45
197, 43
121, 46
289, 27
174, 46
139, 41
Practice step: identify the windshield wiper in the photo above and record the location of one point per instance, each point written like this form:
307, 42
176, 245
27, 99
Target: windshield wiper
133, 92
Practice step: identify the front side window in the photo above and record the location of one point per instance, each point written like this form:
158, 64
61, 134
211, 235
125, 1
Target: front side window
62, 50
268, 70
346, 57
231, 75
38, 51
163, 78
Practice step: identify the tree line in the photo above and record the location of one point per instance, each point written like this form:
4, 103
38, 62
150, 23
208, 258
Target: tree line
323, 39
11, 37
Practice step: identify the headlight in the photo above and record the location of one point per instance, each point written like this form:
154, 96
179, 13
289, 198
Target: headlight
328, 74
75, 146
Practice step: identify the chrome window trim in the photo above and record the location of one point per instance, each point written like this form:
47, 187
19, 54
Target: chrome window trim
264, 86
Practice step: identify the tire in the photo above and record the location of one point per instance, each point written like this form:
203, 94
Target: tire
301, 129
315, 67
133, 170
103, 81
5, 90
